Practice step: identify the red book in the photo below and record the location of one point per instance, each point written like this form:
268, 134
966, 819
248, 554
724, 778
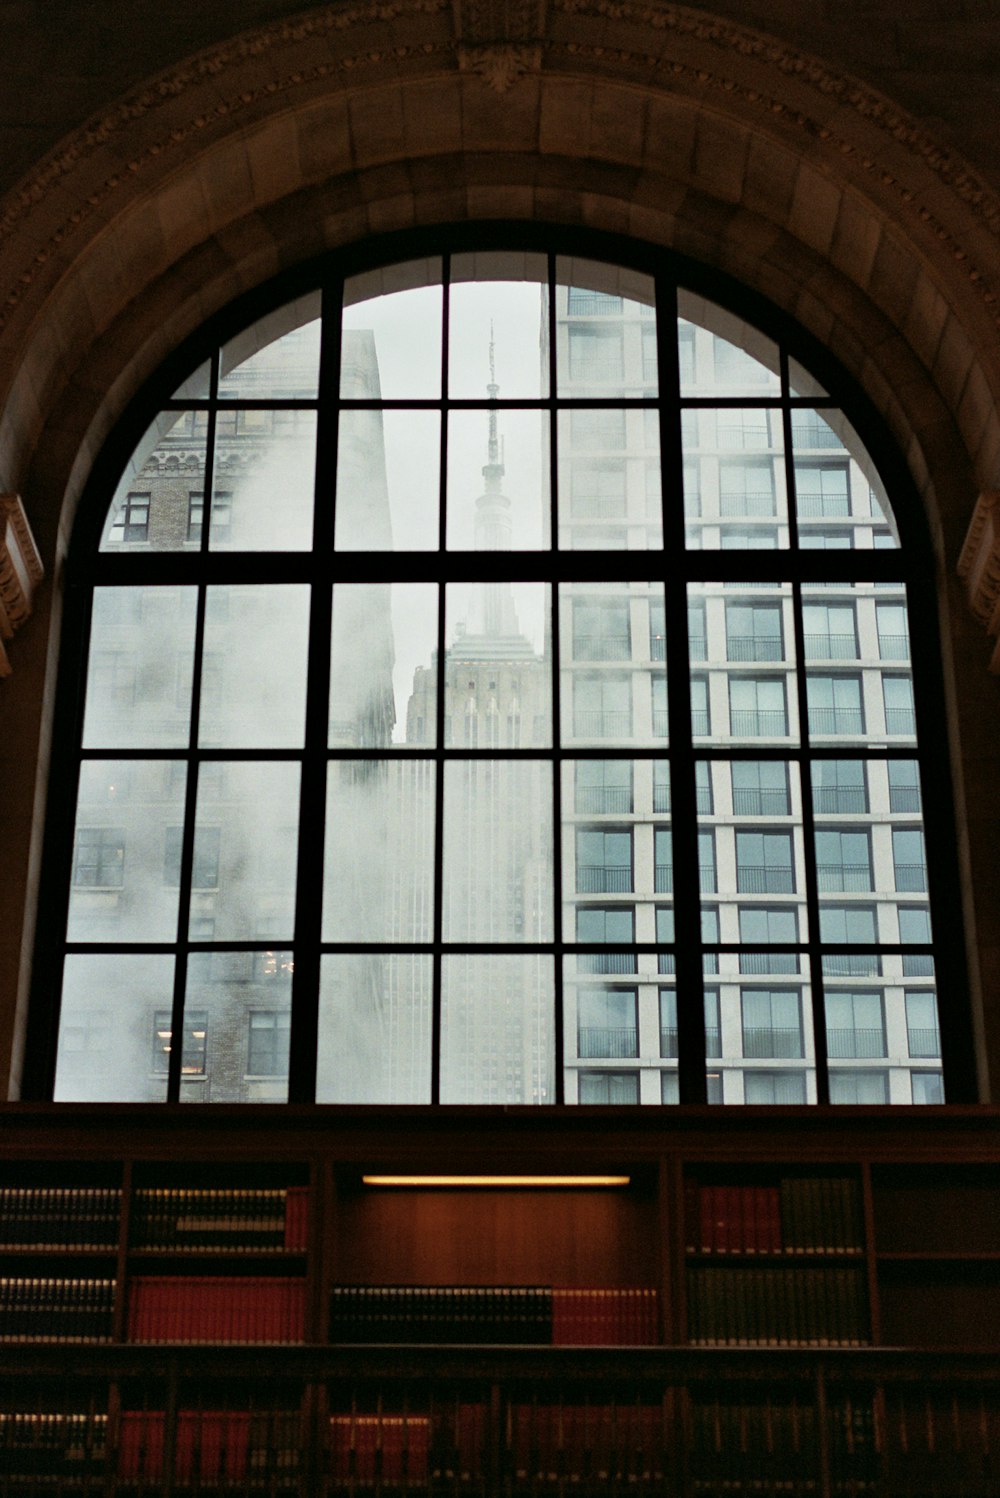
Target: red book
734, 1219
216, 1309
296, 1218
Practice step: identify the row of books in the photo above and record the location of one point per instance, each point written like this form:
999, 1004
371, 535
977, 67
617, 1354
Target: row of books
779, 1307
57, 1217
493, 1314
51, 1445
210, 1446
221, 1221
215, 1308
800, 1215
56, 1310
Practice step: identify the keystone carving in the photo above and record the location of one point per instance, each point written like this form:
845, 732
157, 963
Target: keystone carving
499, 39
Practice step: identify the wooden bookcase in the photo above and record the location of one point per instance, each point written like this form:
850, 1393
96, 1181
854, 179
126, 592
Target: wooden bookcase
220, 1298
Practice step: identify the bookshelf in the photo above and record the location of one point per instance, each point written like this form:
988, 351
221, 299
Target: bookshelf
239, 1309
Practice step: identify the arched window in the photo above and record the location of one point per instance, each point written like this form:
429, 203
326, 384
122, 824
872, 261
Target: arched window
498, 688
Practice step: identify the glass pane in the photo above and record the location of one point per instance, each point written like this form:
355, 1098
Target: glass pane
606, 330
155, 504
614, 678
374, 1041
263, 481
765, 1030
253, 676
379, 856
392, 333
109, 1047
498, 851
720, 354
609, 480
388, 491
840, 498
125, 874
748, 643
830, 626
498, 329
237, 1023
498, 688
734, 478
139, 668
276, 358
497, 1029
837, 707
245, 850
498, 481
383, 673
617, 848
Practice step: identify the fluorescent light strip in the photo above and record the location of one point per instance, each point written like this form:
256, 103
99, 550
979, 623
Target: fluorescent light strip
400, 1180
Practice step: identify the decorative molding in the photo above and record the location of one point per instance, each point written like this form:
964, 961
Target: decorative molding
515, 47
499, 39
979, 565
20, 571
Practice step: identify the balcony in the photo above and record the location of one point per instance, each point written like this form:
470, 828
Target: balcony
597, 507
769, 962
772, 1043
893, 647
604, 878
663, 878
749, 503
760, 723
598, 1042
831, 647
851, 965
843, 720
765, 879
844, 878
760, 801
661, 722
658, 648
924, 1041
840, 799
661, 796
605, 962
603, 798
851, 1043
754, 648
602, 724
699, 722
911, 877
602, 647
668, 1042
900, 720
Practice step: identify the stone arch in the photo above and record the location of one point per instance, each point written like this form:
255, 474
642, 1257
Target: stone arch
647, 119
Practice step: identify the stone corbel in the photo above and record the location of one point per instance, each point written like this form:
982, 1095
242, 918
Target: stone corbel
499, 39
20, 571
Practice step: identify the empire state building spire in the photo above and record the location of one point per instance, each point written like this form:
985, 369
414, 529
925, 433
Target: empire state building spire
493, 524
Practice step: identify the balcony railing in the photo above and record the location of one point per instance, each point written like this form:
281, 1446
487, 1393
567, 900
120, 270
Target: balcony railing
754, 648
763, 801
601, 724
823, 506
762, 503
605, 962
844, 878
658, 648
603, 647
911, 877
848, 1042
594, 1041
923, 1041
661, 796
501, 1422
762, 723
769, 962
893, 647
706, 877
772, 1043
904, 797
848, 799
603, 798
604, 878
831, 647
824, 720
765, 879
851, 965
661, 722
668, 1042
597, 506
663, 878
901, 720
699, 722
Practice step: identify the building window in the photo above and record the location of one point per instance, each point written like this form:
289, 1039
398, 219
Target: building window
753, 632
859, 1087
923, 1038
843, 860
764, 864
99, 858
606, 1023
195, 1048
616, 1088
268, 1033
855, 1026
927, 1086
499, 797
603, 860
772, 1023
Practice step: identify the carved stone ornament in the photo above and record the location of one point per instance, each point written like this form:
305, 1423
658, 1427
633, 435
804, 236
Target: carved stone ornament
499, 39
20, 571
979, 565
